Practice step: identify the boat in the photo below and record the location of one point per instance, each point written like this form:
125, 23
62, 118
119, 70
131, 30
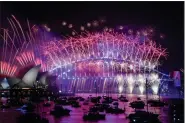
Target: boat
94, 116
96, 108
73, 98
62, 101
115, 103
95, 100
137, 104
107, 100
156, 103
143, 117
138, 98
81, 99
123, 99
115, 110
100, 107
75, 104
59, 111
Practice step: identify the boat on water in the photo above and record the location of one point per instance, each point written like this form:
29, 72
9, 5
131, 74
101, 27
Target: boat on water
137, 104
59, 111
138, 98
115, 103
94, 116
95, 99
123, 98
115, 110
143, 117
156, 103
107, 100
81, 99
62, 101
96, 108
75, 104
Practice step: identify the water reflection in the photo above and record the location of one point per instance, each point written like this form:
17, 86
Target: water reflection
10, 115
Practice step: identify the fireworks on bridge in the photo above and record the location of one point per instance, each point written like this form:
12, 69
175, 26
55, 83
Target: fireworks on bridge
105, 60
87, 62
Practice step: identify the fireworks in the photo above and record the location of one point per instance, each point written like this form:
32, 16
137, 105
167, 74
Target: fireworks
64, 23
106, 55
20, 47
7, 69
112, 47
110, 58
120, 27
95, 23
70, 26
82, 28
88, 24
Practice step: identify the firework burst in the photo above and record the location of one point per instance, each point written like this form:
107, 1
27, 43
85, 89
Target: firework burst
112, 58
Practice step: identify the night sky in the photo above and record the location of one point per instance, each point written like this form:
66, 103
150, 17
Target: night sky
166, 17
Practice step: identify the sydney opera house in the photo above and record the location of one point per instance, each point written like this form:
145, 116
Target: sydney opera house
31, 79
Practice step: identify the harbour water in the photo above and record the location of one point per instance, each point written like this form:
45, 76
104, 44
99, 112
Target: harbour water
76, 114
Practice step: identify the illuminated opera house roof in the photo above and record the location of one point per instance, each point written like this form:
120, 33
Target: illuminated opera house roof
27, 81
